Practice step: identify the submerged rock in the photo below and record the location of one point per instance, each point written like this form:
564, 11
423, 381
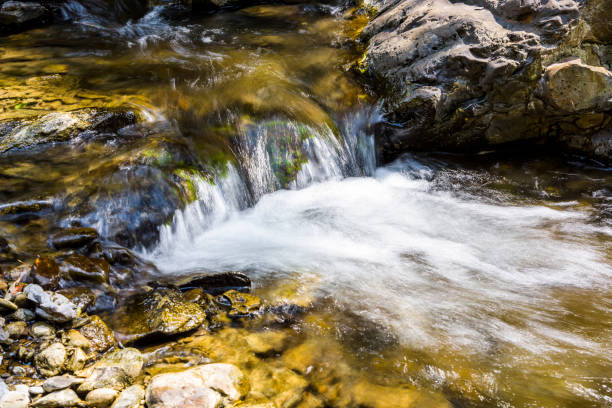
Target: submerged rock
161, 311
81, 268
17, 13
45, 272
205, 386
74, 237
62, 127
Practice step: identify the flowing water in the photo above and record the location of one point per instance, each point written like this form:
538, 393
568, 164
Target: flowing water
485, 280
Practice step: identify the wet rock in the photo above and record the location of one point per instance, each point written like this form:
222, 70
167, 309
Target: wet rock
25, 315
19, 398
82, 297
17, 329
284, 387
42, 330
100, 336
75, 339
240, 304
51, 306
45, 272
50, 361
24, 207
76, 359
21, 12
62, 127
101, 398
7, 306
59, 399
161, 311
267, 342
130, 397
209, 385
60, 382
74, 238
218, 283
81, 268
116, 370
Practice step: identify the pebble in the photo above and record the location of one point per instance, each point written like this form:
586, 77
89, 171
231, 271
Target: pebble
60, 382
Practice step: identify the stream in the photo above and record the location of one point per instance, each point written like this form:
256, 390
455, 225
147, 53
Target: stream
483, 280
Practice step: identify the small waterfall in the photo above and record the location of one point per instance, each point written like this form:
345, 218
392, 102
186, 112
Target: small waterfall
273, 155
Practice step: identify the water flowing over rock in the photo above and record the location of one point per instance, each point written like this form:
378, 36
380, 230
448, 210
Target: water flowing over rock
477, 73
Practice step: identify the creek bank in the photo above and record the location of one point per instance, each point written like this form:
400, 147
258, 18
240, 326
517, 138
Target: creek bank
477, 74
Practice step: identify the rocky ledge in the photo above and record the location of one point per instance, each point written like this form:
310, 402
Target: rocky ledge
471, 74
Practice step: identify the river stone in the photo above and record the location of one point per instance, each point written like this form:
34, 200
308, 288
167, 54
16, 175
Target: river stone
99, 334
62, 127
17, 329
60, 382
473, 74
205, 386
82, 297
161, 311
24, 207
115, 370
75, 339
81, 268
74, 237
42, 330
240, 304
21, 12
19, 398
130, 397
7, 306
59, 399
217, 283
50, 361
45, 272
575, 86
51, 306
101, 397
76, 359
22, 314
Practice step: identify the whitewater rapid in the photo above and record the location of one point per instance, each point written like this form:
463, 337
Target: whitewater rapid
429, 264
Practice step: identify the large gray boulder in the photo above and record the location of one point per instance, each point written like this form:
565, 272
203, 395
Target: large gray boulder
476, 73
